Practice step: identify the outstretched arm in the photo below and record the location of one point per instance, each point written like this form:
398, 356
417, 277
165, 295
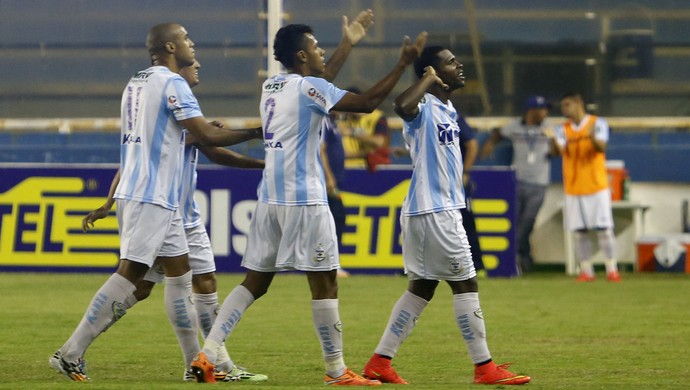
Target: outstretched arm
102, 212
208, 134
369, 100
490, 143
230, 158
352, 34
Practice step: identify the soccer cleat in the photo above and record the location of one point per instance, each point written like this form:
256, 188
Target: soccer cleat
583, 277
239, 374
493, 374
203, 369
349, 378
188, 376
75, 371
381, 369
613, 276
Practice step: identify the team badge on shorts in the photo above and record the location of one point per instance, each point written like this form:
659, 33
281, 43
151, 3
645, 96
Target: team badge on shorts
319, 253
456, 265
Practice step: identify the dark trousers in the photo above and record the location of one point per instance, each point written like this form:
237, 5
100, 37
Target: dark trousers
471, 230
335, 203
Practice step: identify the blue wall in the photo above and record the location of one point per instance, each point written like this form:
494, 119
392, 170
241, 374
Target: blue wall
649, 157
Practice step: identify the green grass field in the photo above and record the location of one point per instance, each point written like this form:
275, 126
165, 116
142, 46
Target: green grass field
632, 335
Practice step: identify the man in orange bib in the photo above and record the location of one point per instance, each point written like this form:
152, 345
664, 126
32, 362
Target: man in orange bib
582, 140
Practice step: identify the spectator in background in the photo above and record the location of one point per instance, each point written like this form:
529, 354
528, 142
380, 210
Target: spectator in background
333, 161
469, 147
582, 141
532, 150
366, 138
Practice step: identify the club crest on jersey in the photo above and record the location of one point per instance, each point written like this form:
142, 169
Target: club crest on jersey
315, 95
172, 99
129, 139
319, 253
455, 265
447, 133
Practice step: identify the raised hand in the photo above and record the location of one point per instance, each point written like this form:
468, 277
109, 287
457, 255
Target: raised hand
409, 51
355, 31
429, 71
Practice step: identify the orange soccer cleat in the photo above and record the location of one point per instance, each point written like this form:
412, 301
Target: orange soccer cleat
204, 371
349, 378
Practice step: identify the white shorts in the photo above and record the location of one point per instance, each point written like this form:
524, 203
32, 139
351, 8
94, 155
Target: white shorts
201, 259
588, 211
148, 231
435, 247
283, 238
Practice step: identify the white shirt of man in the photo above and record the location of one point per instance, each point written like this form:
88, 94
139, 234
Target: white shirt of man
432, 138
152, 140
293, 112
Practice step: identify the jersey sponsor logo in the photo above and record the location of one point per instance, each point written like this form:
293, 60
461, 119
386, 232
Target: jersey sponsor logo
315, 95
141, 75
128, 139
273, 145
274, 87
447, 133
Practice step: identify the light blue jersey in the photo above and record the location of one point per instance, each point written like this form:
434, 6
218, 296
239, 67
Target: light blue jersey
152, 147
293, 112
433, 140
188, 206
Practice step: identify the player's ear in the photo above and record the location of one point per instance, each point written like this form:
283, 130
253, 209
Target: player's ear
301, 57
170, 47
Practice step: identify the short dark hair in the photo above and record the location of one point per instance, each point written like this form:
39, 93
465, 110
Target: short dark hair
572, 95
429, 57
289, 40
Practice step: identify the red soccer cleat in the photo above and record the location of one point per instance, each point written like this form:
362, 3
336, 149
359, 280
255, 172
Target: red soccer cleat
493, 374
381, 369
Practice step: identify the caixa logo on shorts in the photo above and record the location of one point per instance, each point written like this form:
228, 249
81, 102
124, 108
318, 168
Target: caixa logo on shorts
455, 265
319, 253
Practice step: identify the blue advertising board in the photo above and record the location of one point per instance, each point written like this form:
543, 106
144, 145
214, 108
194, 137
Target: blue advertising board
41, 208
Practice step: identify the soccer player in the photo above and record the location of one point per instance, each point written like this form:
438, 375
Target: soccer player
582, 143
201, 261
292, 228
435, 245
157, 104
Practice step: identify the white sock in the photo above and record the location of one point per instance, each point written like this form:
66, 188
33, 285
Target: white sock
181, 314
607, 243
130, 301
611, 266
330, 333
583, 250
402, 320
229, 315
105, 308
206, 306
470, 320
